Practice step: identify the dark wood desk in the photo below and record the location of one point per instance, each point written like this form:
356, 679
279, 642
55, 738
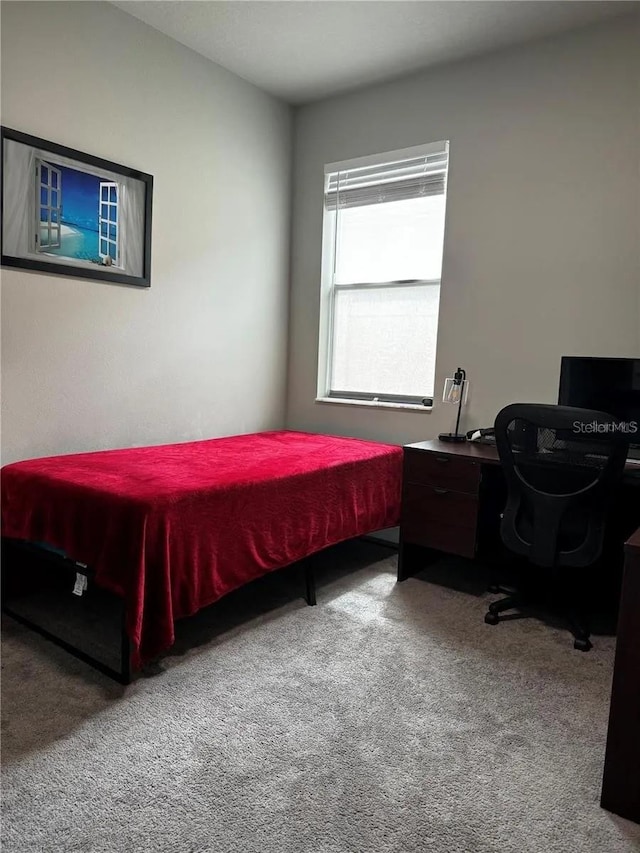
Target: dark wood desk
452, 498
621, 781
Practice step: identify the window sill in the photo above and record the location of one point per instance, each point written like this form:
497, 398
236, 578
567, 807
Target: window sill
371, 404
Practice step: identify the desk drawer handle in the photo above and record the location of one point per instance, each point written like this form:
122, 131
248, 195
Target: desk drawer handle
440, 491
442, 458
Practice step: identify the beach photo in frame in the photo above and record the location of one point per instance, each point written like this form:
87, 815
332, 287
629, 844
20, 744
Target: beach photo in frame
70, 213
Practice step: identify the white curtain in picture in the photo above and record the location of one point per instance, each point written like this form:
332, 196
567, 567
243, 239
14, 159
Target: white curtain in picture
132, 224
19, 199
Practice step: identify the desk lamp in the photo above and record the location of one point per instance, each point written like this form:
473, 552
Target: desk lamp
456, 390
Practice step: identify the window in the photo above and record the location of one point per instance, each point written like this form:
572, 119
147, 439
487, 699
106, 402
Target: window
108, 221
76, 214
382, 259
48, 206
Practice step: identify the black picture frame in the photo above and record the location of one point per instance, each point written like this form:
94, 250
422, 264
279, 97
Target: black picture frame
88, 269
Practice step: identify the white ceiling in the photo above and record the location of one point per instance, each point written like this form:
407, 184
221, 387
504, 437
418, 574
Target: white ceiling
302, 50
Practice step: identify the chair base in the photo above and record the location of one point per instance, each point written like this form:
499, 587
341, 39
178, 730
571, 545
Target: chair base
579, 627
578, 624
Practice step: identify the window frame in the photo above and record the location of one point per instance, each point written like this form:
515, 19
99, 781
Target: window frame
109, 206
329, 288
50, 208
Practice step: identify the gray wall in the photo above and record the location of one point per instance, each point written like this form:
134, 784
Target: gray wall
87, 365
542, 254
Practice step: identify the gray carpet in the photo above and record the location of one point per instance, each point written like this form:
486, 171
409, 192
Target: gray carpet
387, 718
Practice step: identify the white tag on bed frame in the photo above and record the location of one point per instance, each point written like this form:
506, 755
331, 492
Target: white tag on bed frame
80, 585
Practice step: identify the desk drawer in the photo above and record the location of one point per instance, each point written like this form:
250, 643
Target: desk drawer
439, 518
436, 469
423, 505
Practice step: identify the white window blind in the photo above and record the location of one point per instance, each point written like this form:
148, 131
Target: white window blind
383, 244
385, 182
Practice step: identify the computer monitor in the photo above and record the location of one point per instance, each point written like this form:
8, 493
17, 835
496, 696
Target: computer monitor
610, 385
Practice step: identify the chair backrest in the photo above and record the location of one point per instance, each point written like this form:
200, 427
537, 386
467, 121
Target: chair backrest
562, 466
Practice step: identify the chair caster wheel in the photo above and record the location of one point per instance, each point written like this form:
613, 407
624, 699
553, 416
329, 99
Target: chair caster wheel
582, 645
491, 618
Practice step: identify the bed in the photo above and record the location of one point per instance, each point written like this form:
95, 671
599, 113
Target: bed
172, 529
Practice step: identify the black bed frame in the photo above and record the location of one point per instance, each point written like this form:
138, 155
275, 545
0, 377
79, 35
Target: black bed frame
19, 556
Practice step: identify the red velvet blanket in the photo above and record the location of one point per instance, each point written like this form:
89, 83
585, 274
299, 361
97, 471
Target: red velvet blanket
172, 529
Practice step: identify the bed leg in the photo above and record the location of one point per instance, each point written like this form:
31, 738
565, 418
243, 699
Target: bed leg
125, 654
310, 583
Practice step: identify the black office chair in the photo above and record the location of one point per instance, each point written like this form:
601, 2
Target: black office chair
562, 466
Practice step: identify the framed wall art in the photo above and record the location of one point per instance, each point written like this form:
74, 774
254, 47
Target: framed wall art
71, 213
